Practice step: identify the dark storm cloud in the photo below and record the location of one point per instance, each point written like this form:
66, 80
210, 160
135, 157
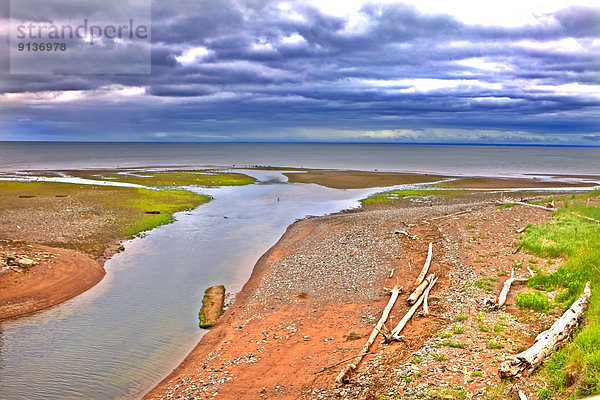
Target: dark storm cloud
261, 71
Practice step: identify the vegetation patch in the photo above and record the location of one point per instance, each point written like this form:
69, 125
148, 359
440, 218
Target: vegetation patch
395, 195
187, 178
486, 283
86, 218
537, 301
574, 370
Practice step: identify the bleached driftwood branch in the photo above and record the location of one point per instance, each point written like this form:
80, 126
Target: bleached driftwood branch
423, 273
505, 289
395, 334
343, 375
499, 302
547, 341
425, 306
414, 296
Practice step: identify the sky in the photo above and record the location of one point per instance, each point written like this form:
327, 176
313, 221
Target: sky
426, 71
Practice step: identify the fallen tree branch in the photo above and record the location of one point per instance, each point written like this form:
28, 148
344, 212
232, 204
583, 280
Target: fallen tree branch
425, 307
343, 375
425, 267
414, 296
547, 341
520, 203
395, 334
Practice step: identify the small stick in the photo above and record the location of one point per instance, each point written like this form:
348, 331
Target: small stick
392, 273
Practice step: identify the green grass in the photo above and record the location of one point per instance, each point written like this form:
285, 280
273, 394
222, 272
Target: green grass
395, 195
456, 345
486, 283
537, 301
574, 370
165, 202
494, 345
457, 329
461, 317
188, 178
416, 360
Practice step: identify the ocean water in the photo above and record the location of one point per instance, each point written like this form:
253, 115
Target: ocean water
459, 160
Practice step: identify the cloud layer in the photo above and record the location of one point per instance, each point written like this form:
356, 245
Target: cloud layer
285, 71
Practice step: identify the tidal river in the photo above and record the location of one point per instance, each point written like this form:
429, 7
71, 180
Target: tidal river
121, 337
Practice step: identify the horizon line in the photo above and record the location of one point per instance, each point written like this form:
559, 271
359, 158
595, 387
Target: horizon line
310, 142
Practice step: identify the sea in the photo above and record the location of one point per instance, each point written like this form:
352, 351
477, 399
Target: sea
446, 159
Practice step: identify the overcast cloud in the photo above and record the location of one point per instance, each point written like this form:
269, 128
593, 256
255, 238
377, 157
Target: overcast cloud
292, 71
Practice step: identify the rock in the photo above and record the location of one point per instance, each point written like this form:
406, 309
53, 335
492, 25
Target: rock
25, 262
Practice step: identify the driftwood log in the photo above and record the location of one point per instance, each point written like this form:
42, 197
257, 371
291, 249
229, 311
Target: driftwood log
505, 289
423, 273
414, 296
395, 334
547, 341
425, 306
343, 375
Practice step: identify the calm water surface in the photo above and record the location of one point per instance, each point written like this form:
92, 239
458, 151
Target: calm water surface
465, 160
128, 332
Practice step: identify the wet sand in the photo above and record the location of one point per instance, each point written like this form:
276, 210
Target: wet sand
59, 275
